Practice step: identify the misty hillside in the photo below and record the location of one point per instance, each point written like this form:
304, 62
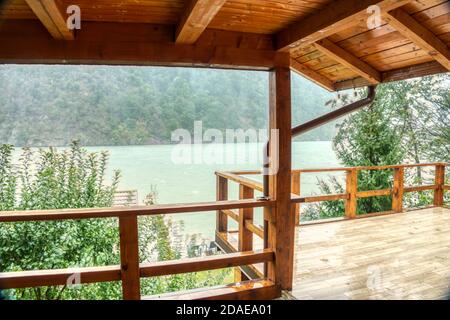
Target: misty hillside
53, 105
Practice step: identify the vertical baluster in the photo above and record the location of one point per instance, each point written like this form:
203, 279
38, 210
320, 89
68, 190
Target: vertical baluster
351, 189
129, 257
295, 189
245, 236
439, 182
221, 194
397, 194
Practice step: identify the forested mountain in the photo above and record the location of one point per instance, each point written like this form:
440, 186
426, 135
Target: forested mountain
53, 105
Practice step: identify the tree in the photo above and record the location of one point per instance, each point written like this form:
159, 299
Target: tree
365, 138
420, 109
104, 106
408, 122
56, 180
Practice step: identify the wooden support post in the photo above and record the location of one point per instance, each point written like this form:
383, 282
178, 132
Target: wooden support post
129, 258
245, 236
221, 194
295, 189
281, 219
397, 195
439, 182
351, 190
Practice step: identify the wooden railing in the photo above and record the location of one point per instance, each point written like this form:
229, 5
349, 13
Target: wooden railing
351, 195
130, 271
241, 253
243, 217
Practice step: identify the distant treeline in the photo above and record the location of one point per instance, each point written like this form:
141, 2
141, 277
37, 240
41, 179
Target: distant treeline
54, 105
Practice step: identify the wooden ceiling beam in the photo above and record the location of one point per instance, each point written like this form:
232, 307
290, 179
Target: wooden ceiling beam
50, 13
195, 19
337, 16
419, 35
312, 75
25, 41
347, 59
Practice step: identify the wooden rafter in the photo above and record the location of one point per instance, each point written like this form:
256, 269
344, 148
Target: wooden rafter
335, 17
420, 70
419, 35
196, 18
347, 59
312, 75
50, 13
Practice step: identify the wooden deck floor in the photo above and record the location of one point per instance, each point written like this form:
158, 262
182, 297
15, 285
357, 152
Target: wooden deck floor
401, 256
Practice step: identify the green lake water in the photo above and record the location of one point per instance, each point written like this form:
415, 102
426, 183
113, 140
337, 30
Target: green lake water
146, 166
154, 165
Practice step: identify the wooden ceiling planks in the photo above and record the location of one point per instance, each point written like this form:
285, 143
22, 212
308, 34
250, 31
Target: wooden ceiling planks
337, 16
16, 9
380, 50
348, 60
140, 11
262, 16
420, 35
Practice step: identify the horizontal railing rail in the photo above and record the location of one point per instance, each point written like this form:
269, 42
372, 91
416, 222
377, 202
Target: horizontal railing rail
116, 212
25, 279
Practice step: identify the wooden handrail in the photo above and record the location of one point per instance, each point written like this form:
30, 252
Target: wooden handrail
60, 214
358, 168
255, 185
39, 278
316, 170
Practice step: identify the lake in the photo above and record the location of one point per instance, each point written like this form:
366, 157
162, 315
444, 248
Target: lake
159, 166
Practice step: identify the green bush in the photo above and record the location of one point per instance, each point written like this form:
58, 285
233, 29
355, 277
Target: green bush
75, 178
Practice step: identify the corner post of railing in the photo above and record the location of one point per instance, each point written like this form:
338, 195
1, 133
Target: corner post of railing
281, 218
221, 194
129, 257
295, 189
439, 182
397, 192
351, 190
